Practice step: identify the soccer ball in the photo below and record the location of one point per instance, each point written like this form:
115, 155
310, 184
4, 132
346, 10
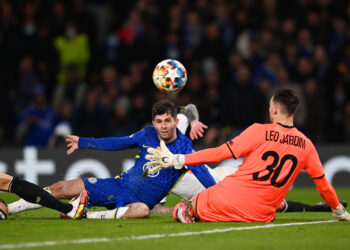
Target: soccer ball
3, 210
170, 76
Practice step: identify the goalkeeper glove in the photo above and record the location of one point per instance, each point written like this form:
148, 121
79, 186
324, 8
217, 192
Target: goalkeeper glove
341, 214
163, 158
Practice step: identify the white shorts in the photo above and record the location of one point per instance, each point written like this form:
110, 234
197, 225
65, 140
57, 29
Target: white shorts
189, 186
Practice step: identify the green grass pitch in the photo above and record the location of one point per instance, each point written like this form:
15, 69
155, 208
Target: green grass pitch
42, 229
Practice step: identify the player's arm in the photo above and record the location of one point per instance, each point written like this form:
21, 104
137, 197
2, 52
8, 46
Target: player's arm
197, 129
163, 158
329, 195
112, 143
235, 148
190, 116
327, 192
209, 155
314, 168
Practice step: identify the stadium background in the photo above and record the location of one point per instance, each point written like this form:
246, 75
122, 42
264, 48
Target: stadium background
85, 67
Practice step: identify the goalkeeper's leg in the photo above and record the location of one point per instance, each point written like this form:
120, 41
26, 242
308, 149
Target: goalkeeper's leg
292, 206
184, 212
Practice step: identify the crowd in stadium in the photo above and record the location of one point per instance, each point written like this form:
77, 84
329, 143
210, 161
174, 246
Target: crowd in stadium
65, 68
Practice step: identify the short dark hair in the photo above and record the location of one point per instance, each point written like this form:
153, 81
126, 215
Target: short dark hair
164, 107
287, 99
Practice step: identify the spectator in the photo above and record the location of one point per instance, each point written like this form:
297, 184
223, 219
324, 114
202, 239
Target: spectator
73, 90
338, 36
305, 43
89, 118
27, 83
172, 46
37, 122
120, 122
212, 46
59, 18
269, 69
64, 127
222, 14
73, 49
85, 21
315, 115
193, 31
241, 101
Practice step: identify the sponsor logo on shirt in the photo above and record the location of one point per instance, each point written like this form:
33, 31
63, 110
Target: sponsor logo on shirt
92, 180
150, 175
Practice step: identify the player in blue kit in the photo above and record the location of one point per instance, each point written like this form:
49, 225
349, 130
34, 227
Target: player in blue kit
130, 195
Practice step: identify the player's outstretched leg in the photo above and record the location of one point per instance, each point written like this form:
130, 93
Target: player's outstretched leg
323, 207
183, 212
34, 196
292, 206
23, 205
78, 204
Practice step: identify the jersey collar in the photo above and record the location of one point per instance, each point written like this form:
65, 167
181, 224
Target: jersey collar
286, 126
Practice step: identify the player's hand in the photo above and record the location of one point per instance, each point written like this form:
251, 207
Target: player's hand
163, 158
72, 143
341, 214
197, 129
153, 166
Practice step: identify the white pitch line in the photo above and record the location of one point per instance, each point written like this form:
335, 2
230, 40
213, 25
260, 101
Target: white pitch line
153, 236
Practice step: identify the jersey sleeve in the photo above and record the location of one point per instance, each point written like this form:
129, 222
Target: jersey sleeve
203, 175
209, 155
327, 192
313, 165
246, 141
111, 143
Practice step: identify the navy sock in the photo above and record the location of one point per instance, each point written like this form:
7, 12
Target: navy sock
298, 207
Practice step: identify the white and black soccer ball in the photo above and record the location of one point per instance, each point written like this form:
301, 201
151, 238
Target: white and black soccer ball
170, 76
3, 210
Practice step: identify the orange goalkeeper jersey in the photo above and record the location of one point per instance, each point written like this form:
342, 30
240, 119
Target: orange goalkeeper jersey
274, 155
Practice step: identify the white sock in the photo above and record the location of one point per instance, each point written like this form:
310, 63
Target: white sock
109, 214
285, 206
23, 205
183, 123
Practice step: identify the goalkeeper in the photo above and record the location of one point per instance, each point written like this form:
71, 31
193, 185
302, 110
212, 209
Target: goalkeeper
274, 156
189, 186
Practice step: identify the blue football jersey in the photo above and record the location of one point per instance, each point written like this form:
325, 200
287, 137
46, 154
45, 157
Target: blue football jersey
156, 186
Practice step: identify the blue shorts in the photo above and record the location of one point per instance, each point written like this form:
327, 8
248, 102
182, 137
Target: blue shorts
108, 192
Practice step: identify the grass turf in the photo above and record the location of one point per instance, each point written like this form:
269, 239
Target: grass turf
44, 225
